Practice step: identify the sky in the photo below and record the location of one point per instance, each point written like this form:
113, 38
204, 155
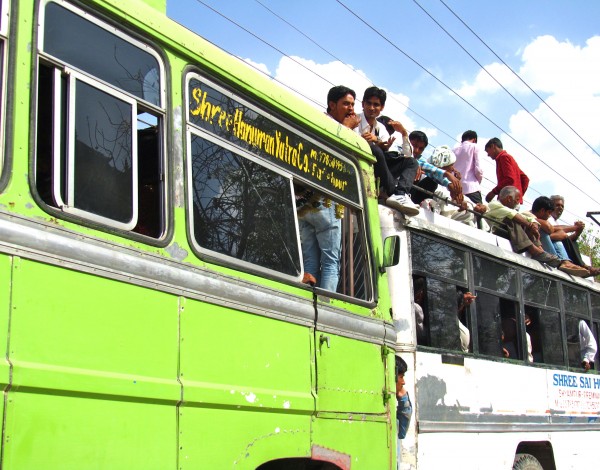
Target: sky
526, 71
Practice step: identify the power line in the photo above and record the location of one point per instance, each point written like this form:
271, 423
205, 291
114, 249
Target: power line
323, 78
391, 43
504, 88
348, 66
519, 77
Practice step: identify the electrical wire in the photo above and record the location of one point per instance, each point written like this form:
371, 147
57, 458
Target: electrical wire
506, 90
391, 43
519, 77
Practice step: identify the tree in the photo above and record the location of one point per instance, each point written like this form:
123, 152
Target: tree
589, 245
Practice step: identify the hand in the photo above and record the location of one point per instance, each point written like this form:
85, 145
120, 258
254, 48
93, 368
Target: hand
469, 298
489, 196
454, 187
351, 120
586, 365
534, 230
398, 127
481, 208
456, 194
369, 137
419, 173
386, 145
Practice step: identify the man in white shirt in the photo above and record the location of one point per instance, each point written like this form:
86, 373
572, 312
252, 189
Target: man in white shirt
587, 345
389, 161
467, 164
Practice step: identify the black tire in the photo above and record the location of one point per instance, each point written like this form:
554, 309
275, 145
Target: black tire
526, 462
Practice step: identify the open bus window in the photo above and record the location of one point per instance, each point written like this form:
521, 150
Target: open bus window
98, 154
440, 320
596, 324
489, 325
543, 327
581, 343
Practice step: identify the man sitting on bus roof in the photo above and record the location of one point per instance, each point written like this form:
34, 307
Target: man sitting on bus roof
439, 168
394, 166
542, 209
564, 237
523, 232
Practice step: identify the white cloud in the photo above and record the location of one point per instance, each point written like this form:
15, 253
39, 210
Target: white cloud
566, 76
259, 66
489, 81
314, 80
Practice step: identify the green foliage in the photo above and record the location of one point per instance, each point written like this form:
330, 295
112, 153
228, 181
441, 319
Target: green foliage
589, 245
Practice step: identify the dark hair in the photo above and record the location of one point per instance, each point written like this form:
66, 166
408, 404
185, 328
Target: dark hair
494, 141
373, 91
468, 135
401, 366
338, 92
385, 120
542, 202
419, 136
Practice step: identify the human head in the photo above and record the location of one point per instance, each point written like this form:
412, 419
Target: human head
419, 141
542, 207
509, 196
340, 102
373, 102
401, 368
493, 147
559, 205
469, 135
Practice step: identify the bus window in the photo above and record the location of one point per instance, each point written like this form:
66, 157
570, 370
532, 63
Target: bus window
489, 325
510, 329
441, 325
494, 276
254, 180
543, 328
596, 322
99, 124
242, 209
438, 258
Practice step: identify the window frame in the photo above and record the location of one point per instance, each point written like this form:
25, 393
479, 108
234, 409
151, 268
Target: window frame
205, 252
64, 118
356, 209
560, 308
70, 116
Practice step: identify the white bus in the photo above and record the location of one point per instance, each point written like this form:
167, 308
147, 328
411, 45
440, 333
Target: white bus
485, 399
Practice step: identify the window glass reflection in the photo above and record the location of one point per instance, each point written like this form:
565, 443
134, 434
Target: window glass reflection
242, 209
575, 300
539, 290
545, 334
437, 258
103, 154
494, 276
69, 37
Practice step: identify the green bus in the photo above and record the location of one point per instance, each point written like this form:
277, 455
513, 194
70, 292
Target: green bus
153, 309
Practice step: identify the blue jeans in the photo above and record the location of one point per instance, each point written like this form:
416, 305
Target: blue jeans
554, 248
321, 236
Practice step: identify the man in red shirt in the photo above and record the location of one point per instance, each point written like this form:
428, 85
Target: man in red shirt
508, 172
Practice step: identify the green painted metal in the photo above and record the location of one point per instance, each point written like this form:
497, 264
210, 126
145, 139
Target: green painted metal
101, 372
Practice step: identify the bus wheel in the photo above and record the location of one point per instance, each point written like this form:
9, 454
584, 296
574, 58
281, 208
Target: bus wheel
526, 462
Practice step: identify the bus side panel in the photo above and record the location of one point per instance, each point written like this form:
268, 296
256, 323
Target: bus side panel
95, 367
344, 387
363, 443
5, 288
246, 388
